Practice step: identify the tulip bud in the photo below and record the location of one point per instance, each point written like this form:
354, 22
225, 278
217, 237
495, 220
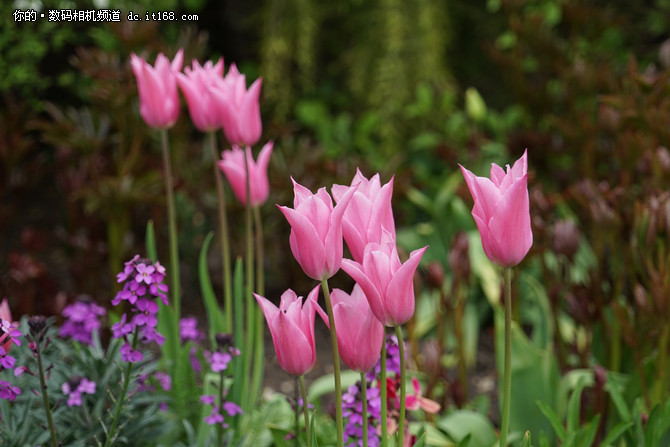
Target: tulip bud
501, 211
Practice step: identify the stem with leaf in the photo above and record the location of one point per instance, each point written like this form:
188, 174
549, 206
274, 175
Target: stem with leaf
111, 433
45, 395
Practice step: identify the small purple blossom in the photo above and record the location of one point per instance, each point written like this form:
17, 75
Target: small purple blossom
75, 387
8, 391
81, 320
219, 361
129, 354
188, 329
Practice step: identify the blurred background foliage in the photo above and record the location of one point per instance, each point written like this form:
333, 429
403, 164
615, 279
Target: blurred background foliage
404, 88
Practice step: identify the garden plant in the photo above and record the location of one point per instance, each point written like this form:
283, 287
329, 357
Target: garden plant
481, 278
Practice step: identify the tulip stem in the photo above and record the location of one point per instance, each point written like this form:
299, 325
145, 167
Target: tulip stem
305, 409
364, 408
172, 224
252, 311
225, 246
384, 397
336, 364
507, 373
403, 388
259, 352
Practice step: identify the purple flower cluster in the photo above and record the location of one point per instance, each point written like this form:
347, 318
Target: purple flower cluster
216, 416
142, 284
352, 410
81, 319
75, 387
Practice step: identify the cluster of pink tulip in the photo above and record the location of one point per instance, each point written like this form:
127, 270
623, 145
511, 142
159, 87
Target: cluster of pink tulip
362, 217
383, 294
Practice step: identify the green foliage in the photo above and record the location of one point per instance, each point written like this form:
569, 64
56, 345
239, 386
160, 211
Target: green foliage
141, 420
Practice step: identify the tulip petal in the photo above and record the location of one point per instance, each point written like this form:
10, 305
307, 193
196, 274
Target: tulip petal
307, 247
355, 270
400, 292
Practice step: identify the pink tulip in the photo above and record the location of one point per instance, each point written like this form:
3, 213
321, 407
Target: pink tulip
501, 211
239, 110
368, 214
292, 329
316, 230
196, 85
359, 333
159, 98
233, 166
387, 283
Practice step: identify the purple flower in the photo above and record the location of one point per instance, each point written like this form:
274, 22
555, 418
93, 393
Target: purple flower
8, 391
144, 273
129, 354
208, 399
164, 380
188, 329
81, 319
219, 361
75, 387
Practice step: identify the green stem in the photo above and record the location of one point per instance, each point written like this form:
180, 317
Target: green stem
45, 395
259, 351
364, 408
384, 397
305, 410
507, 373
172, 223
124, 389
336, 364
225, 245
403, 387
252, 309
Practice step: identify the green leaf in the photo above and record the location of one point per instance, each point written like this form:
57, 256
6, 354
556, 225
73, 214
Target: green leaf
622, 408
215, 316
574, 406
463, 424
616, 432
553, 418
588, 434
279, 435
526, 440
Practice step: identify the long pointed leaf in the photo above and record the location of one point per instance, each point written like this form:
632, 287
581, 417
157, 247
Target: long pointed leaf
553, 418
574, 406
616, 432
215, 316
